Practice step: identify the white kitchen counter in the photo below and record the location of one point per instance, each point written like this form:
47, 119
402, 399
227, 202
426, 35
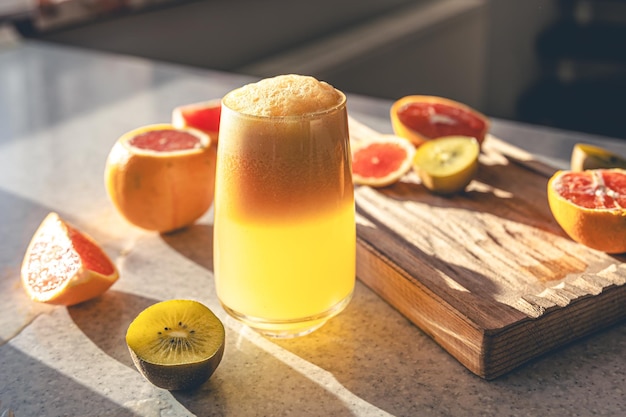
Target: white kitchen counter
61, 110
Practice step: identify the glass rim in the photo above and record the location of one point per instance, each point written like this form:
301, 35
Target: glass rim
310, 115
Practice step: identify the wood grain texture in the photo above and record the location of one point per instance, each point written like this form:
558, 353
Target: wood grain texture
487, 273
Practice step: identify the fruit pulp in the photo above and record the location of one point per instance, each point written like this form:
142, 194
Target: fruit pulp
379, 159
165, 140
594, 189
204, 118
437, 119
381, 162
285, 233
64, 266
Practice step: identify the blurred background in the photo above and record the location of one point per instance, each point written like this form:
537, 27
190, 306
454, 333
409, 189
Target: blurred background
559, 63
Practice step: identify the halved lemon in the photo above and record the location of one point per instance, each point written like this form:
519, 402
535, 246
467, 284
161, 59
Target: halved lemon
585, 156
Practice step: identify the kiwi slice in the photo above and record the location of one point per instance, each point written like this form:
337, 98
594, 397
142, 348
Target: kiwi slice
176, 344
448, 164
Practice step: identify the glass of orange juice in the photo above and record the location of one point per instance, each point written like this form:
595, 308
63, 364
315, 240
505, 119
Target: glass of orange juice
284, 228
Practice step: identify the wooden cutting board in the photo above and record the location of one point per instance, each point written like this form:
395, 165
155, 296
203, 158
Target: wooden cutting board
487, 273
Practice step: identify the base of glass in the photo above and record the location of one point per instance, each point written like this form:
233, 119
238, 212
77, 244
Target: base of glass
287, 329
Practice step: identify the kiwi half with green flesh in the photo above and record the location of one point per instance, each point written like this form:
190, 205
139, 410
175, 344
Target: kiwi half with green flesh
176, 344
448, 164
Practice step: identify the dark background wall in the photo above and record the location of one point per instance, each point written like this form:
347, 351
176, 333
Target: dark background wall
554, 62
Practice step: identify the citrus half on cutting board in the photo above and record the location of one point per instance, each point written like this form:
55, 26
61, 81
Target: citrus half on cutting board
381, 162
204, 116
161, 178
65, 266
585, 156
176, 344
448, 164
421, 118
590, 206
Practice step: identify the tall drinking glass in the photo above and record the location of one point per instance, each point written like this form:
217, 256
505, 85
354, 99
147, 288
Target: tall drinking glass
284, 229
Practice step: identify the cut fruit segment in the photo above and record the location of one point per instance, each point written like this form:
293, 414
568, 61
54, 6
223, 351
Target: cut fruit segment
382, 161
65, 266
204, 116
447, 165
176, 344
586, 156
161, 178
422, 118
590, 206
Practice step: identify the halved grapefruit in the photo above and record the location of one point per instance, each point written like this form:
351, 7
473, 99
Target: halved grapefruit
421, 118
382, 161
590, 206
204, 116
64, 266
161, 178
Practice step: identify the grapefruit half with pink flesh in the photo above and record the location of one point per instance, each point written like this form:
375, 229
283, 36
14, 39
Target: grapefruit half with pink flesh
204, 116
381, 162
422, 118
590, 206
65, 266
161, 178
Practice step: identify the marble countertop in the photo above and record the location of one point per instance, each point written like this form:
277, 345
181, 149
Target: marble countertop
61, 110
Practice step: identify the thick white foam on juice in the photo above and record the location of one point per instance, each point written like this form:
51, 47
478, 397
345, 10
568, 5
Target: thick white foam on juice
284, 95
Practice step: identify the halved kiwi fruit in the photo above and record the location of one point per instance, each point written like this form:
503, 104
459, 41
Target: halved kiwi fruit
176, 344
448, 164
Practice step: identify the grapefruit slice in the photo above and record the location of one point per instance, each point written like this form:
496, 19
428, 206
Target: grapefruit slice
447, 165
422, 118
586, 156
590, 206
382, 161
204, 116
161, 178
64, 266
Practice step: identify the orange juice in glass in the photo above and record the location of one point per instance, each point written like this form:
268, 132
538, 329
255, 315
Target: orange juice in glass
284, 230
